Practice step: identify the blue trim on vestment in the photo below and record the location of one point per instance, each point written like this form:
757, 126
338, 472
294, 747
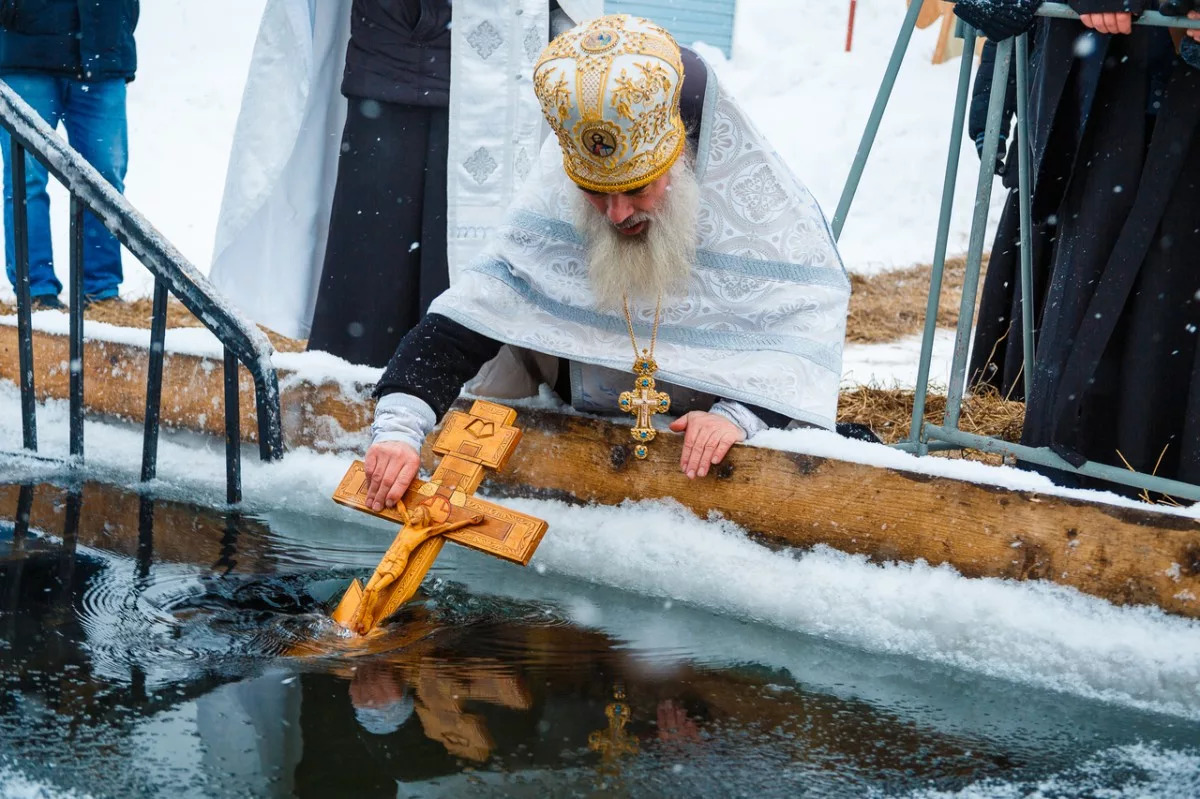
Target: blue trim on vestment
730, 341
751, 267
724, 392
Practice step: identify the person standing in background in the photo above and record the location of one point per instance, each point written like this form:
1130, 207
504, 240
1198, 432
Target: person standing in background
412, 170
385, 259
1114, 156
70, 61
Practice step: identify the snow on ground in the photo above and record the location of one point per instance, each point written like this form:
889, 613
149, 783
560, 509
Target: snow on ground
1030, 633
893, 364
788, 69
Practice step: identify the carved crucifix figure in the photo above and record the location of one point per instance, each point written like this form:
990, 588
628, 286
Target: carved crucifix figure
443, 508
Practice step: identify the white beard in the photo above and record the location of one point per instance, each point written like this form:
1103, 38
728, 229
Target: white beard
653, 264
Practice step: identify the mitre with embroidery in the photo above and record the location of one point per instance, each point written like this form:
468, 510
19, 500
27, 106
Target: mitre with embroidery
610, 92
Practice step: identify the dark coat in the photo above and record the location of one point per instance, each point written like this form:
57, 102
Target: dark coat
1116, 168
399, 52
84, 39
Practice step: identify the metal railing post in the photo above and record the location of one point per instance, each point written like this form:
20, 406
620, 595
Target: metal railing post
172, 272
881, 101
983, 196
1024, 154
266, 398
949, 182
24, 300
154, 374
75, 299
233, 431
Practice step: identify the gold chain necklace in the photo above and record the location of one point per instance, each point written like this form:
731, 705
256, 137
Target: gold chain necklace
644, 401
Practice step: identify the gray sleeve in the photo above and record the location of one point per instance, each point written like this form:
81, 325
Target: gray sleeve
740, 415
402, 417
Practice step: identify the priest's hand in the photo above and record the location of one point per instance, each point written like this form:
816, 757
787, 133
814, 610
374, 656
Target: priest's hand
1108, 22
391, 467
707, 437
1194, 32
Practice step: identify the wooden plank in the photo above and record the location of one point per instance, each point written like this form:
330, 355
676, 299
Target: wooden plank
1125, 555
114, 384
644, 8
931, 11
709, 21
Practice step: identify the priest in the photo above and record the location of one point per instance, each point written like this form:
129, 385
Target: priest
661, 258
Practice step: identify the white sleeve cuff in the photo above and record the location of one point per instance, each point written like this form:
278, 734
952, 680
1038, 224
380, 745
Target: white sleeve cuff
740, 415
402, 417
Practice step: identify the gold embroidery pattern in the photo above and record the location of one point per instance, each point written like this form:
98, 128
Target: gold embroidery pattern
610, 92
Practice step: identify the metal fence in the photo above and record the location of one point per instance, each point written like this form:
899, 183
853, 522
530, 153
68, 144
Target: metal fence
925, 436
243, 342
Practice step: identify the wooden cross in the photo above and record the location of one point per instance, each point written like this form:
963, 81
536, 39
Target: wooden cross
440, 509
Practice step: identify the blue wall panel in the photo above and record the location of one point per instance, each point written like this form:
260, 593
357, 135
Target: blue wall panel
709, 21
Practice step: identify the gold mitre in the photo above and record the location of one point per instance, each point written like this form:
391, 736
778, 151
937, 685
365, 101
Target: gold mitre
610, 91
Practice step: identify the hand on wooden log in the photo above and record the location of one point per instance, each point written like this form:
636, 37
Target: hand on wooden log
390, 467
707, 438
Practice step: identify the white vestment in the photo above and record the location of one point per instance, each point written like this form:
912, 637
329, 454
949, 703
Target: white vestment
272, 229
764, 316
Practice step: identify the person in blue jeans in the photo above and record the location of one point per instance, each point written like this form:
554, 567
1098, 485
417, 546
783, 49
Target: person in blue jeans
70, 60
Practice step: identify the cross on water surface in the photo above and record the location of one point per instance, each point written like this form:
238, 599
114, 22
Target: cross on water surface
443, 508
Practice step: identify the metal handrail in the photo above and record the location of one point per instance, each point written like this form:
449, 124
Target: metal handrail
242, 340
925, 436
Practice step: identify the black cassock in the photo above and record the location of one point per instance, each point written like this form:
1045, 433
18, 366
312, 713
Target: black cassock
1116, 208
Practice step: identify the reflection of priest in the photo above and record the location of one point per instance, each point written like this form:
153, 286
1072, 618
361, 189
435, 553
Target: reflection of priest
690, 252
343, 217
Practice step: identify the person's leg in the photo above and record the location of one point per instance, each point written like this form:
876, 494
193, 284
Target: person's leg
94, 116
369, 292
44, 94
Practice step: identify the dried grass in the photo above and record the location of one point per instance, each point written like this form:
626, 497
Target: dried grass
888, 412
891, 305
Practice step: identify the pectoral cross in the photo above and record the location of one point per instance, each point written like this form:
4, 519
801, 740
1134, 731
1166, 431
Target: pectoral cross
440, 509
614, 742
644, 401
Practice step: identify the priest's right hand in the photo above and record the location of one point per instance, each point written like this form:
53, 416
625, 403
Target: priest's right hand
391, 467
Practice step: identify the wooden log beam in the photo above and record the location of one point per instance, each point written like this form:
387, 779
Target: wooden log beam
114, 385
1125, 555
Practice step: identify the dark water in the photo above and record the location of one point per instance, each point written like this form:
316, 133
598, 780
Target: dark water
150, 648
